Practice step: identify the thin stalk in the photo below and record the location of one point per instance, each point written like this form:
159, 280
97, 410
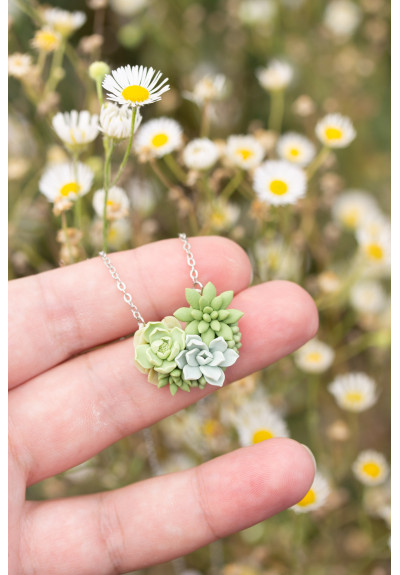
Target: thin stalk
55, 65
64, 226
107, 171
317, 162
175, 168
232, 185
99, 91
128, 149
205, 121
276, 110
78, 201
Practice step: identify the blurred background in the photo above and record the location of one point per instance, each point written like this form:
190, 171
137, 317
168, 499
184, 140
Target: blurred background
339, 56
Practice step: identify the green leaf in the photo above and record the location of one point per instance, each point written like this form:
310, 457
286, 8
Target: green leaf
162, 382
192, 328
209, 292
203, 302
173, 388
227, 297
203, 327
185, 387
215, 325
208, 336
234, 315
141, 356
183, 314
225, 332
223, 314
192, 297
196, 314
216, 303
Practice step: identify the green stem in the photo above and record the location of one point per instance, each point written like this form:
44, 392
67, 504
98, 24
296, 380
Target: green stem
276, 110
100, 91
232, 185
205, 121
128, 149
78, 201
317, 162
175, 168
107, 171
64, 226
55, 65
312, 415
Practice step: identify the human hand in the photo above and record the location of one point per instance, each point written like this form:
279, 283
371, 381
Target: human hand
66, 405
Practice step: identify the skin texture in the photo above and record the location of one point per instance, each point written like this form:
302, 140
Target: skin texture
68, 401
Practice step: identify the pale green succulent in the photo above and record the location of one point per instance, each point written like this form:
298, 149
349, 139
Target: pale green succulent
157, 345
208, 317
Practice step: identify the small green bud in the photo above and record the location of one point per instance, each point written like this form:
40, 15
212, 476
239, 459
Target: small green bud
208, 309
214, 315
207, 317
97, 70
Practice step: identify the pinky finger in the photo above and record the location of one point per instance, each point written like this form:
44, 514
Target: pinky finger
166, 517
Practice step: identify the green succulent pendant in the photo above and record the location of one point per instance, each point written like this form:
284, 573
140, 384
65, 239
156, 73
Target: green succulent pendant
199, 353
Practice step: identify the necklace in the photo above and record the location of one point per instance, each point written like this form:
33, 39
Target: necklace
193, 356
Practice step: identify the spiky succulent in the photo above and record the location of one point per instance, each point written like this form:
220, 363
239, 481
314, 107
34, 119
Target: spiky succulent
209, 317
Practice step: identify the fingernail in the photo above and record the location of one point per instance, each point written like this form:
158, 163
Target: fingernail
311, 454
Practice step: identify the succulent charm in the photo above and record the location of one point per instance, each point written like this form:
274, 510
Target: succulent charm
208, 317
157, 345
199, 360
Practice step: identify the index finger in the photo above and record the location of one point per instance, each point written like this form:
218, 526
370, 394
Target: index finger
58, 314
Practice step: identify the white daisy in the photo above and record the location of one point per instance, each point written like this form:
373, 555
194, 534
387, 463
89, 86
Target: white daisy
116, 121
368, 296
135, 85
335, 131
278, 182
159, 137
209, 88
314, 357
63, 181
276, 76
315, 496
63, 21
295, 148
76, 129
222, 215
128, 8
46, 40
200, 154
256, 421
375, 247
117, 203
244, 151
19, 65
353, 207
371, 467
256, 12
354, 391
342, 17
278, 260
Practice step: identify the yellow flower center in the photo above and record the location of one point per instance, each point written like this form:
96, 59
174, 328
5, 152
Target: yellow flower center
354, 397
218, 218
70, 188
210, 427
245, 153
372, 469
135, 93
159, 140
333, 133
308, 499
375, 252
262, 435
351, 218
46, 40
294, 152
278, 187
314, 357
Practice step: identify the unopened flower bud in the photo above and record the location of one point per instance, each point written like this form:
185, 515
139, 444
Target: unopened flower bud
97, 70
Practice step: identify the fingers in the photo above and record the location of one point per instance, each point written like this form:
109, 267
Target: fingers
57, 314
166, 517
77, 409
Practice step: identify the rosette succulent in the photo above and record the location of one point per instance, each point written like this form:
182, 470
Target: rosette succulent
208, 317
157, 345
202, 362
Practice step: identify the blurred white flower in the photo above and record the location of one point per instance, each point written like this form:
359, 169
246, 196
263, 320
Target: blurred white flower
128, 8
200, 154
368, 296
256, 12
159, 137
117, 203
314, 357
375, 244
329, 282
46, 40
119, 234
244, 151
116, 121
63, 21
222, 215
371, 467
335, 131
315, 496
66, 181
342, 18
278, 182
19, 65
76, 129
295, 148
353, 207
257, 421
135, 85
276, 76
209, 88
354, 391
278, 260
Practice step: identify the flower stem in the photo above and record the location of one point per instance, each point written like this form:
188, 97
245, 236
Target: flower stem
56, 63
128, 149
107, 170
276, 110
205, 121
64, 226
175, 168
232, 185
317, 162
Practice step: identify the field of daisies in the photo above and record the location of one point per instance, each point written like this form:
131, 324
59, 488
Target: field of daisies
265, 121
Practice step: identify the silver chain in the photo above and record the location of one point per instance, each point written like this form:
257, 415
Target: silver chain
122, 287
194, 274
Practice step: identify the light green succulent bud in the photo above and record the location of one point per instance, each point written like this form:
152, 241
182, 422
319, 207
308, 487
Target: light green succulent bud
97, 70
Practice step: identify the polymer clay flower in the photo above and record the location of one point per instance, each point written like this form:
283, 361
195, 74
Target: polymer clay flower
157, 346
208, 317
199, 360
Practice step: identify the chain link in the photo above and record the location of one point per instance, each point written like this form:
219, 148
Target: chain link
122, 287
194, 274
